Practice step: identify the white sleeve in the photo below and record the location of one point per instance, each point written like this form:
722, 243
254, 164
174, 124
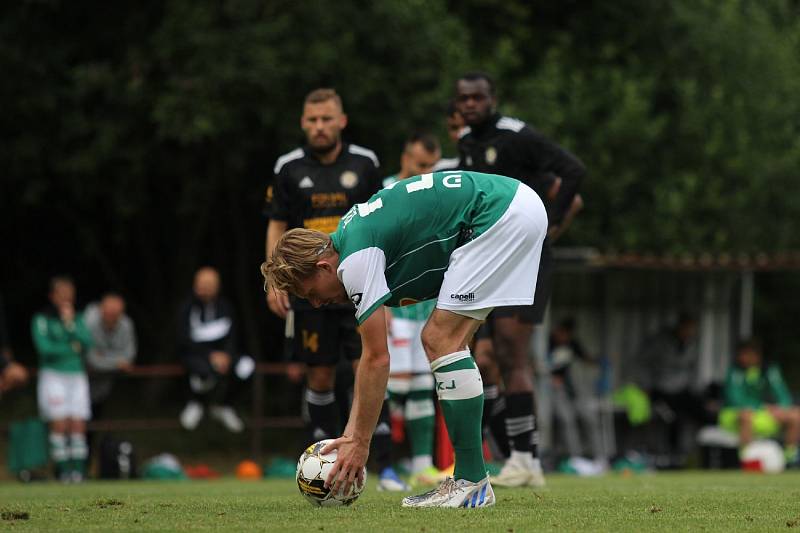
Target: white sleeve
362, 274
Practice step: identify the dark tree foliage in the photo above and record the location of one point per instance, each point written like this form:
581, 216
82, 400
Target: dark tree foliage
138, 137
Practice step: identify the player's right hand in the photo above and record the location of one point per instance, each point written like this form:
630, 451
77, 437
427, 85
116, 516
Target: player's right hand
67, 313
220, 360
278, 302
295, 372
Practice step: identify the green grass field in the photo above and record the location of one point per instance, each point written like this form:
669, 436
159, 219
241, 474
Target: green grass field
696, 501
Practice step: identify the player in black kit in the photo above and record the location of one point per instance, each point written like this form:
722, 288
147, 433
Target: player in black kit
313, 187
496, 144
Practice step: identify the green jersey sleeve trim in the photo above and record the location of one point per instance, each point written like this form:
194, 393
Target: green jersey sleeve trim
366, 314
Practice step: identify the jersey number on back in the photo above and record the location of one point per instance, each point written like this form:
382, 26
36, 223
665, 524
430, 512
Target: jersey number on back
451, 180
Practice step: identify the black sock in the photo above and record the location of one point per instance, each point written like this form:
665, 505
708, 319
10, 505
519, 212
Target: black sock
322, 415
490, 395
382, 439
535, 432
520, 421
494, 416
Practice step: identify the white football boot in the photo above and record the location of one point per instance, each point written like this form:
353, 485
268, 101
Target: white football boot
191, 415
520, 470
455, 493
389, 481
228, 417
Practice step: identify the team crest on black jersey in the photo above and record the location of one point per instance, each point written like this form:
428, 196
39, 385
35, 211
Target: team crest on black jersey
491, 155
348, 179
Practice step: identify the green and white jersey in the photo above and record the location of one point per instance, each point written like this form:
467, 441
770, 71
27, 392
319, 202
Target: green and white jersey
389, 181
61, 347
418, 312
395, 248
422, 310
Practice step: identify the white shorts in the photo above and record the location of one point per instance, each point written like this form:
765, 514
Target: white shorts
499, 267
406, 353
63, 395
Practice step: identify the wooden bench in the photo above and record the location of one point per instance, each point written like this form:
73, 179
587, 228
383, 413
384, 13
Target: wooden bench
255, 423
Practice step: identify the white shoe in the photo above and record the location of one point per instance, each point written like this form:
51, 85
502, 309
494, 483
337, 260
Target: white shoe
455, 493
520, 470
389, 481
537, 476
228, 417
191, 415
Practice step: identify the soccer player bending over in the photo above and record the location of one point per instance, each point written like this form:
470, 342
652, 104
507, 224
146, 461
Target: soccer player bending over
468, 240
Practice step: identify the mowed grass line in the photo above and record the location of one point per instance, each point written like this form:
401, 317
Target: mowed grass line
695, 501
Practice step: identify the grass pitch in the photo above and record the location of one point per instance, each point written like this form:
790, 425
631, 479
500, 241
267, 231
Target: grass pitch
696, 501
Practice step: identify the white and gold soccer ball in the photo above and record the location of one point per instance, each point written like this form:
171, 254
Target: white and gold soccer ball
313, 468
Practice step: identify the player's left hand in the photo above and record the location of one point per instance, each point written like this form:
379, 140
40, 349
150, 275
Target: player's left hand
13, 376
220, 360
349, 466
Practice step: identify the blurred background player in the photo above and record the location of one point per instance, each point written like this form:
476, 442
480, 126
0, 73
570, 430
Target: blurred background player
207, 345
314, 185
575, 399
667, 371
758, 403
61, 339
113, 347
454, 124
411, 384
12, 374
496, 144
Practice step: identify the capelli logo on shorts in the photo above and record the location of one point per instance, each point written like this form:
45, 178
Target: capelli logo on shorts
469, 297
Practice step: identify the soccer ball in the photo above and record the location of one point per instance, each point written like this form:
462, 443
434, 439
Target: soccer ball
765, 456
312, 471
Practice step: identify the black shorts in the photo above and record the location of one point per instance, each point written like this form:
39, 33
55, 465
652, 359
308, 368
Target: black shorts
534, 314
323, 336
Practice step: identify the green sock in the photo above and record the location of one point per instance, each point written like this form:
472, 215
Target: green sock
79, 452
420, 415
460, 391
60, 453
398, 393
791, 453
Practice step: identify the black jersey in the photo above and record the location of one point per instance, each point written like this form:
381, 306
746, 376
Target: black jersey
509, 147
308, 194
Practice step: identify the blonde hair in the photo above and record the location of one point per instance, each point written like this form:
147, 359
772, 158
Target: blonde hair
317, 96
294, 258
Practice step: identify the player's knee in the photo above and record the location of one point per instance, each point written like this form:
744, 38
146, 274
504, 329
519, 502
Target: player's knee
59, 426
320, 378
431, 342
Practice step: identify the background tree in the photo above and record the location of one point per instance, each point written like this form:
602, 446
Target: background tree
138, 137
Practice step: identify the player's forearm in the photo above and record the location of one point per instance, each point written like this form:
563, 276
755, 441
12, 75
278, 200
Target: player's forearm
571, 171
275, 229
97, 359
369, 392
